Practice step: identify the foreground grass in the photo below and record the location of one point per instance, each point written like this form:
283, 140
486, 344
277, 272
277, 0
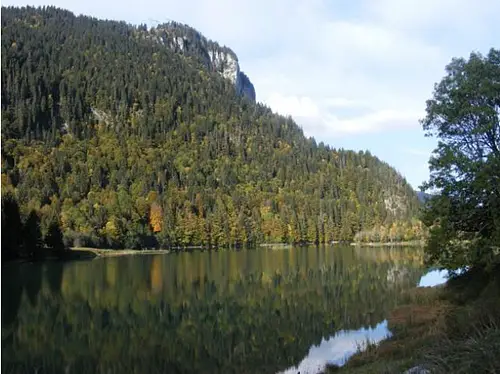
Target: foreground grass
453, 328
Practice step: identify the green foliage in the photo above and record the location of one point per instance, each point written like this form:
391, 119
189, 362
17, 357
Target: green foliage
32, 235
97, 116
24, 238
464, 115
54, 238
397, 232
11, 227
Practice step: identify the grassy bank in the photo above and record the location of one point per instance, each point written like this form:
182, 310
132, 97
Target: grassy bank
389, 244
48, 255
80, 252
452, 328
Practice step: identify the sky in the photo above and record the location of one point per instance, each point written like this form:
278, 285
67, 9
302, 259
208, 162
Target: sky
354, 74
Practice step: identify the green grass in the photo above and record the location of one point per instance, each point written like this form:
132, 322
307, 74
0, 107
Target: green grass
479, 353
96, 252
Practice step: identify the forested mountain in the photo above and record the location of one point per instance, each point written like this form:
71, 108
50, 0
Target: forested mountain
129, 142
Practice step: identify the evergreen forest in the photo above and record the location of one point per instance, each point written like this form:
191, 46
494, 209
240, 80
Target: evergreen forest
112, 139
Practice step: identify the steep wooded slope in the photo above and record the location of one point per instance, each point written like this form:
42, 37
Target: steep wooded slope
130, 143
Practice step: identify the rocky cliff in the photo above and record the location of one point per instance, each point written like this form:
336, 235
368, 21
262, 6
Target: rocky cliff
186, 40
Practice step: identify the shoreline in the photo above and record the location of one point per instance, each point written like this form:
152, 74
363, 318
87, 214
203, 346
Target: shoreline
89, 253
97, 252
412, 243
85, 253
443, 328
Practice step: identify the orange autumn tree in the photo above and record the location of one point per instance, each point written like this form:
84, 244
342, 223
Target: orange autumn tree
156, 217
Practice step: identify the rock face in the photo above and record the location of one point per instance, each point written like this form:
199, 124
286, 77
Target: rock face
186, 40
417, 370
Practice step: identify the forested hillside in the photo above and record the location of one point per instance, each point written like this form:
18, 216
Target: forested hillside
127, 142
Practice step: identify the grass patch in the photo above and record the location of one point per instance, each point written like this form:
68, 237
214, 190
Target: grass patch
479, 353
96, 252
452, 328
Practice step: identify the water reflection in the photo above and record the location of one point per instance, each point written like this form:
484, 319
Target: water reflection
433, 278
337, 349
222, 312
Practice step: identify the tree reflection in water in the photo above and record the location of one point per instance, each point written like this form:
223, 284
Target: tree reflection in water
214, 311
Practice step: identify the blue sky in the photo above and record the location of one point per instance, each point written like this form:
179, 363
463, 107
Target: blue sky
354, 74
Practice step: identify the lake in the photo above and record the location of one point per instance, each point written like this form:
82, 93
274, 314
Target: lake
264, 310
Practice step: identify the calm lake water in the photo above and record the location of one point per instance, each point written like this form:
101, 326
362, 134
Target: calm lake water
251, 311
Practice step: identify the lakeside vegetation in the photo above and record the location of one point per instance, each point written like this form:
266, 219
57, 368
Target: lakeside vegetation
455, 328
399, 232
464, 218
31, 239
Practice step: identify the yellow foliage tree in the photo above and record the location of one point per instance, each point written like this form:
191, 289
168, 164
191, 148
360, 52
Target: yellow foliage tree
156, 217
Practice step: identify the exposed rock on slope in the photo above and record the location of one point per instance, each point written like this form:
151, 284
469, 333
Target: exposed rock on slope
186, 40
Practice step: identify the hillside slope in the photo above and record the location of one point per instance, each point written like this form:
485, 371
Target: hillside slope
131, 143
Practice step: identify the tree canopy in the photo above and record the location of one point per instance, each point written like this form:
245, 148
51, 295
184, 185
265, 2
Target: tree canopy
465, 167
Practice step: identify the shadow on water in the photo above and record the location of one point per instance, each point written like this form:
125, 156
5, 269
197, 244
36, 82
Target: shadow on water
213, 311
32, 280
12, 292
54, 276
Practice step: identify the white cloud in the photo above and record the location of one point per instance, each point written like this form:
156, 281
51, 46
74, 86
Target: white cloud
385, 119
294, 106
442, 14
331, 126
341, 102
418, 152
319, 119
